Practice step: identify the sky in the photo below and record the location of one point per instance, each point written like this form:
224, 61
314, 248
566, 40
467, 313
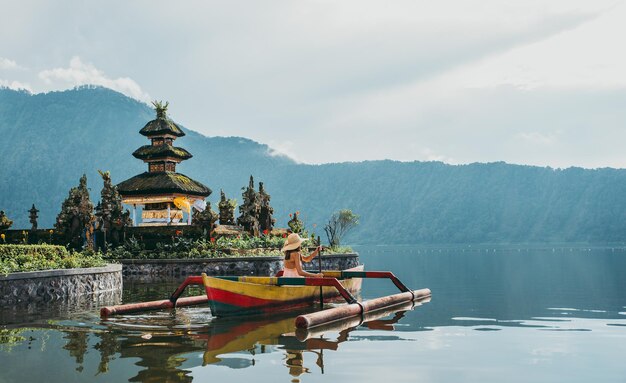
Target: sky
536, 82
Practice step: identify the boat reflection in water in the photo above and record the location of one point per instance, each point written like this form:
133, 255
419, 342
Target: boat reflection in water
227, 337
170, 345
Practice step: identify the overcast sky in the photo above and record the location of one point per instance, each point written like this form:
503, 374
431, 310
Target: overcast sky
528, 82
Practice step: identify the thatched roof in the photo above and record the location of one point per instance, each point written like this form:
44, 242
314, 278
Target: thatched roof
150, 152
162, 183
161, 125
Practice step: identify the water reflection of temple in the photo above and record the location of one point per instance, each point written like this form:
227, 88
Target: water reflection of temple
169, 354
160, 356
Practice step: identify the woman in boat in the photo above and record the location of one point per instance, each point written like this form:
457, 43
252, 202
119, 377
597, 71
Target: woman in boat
294, 257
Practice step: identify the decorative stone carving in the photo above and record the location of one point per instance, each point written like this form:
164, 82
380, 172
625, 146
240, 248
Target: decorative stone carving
112, 218
250, 209
76, 216
52, 285
33, 217
5, 222
205, 219
227, 210
266, 219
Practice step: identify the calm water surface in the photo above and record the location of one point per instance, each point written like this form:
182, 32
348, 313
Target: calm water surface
521, 315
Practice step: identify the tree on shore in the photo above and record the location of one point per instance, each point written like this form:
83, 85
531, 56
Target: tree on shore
339, 224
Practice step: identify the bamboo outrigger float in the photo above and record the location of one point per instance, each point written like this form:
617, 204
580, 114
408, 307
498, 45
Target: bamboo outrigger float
236, 296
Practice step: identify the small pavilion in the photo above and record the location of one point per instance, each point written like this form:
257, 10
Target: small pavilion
157, 189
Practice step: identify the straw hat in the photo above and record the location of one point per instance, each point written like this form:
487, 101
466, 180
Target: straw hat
293, 242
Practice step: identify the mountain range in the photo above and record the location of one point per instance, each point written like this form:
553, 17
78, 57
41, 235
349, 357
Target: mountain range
47, 141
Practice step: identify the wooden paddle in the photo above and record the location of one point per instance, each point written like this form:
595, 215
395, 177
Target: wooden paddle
319, 257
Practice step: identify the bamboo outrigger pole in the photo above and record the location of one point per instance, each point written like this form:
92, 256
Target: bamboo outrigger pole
174, 301
331, 278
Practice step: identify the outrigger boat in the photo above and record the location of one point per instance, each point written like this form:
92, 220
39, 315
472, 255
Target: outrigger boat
237, 296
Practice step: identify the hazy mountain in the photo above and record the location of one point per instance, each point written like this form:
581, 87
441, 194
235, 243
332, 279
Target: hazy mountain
47, 141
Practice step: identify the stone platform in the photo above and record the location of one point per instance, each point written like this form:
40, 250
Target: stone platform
258, 266
62, 284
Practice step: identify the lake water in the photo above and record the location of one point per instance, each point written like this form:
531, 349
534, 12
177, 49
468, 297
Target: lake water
496, 314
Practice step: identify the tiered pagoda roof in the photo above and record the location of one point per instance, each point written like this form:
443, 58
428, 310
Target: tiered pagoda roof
151, 152
162, 158
161, 126
162, 183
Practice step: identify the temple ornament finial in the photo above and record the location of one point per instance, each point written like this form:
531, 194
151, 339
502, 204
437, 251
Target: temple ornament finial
161, 109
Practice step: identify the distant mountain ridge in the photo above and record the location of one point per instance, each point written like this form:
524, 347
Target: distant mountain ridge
47, 141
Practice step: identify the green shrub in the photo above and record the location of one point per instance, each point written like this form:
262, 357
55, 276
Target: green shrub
10, 338
19, 258
340, 250
248, 242
187, 248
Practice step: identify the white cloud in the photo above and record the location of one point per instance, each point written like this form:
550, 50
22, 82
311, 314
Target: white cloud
586, 57
429, 154
15, 85
283, 148
537, 138
79, 73
8, 64
525, 81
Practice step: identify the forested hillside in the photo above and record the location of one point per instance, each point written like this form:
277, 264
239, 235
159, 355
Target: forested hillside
47, 141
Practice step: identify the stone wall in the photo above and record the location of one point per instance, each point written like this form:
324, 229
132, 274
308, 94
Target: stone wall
51, 285
333, 262
260, 266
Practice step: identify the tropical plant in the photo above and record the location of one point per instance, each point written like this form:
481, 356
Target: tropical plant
295, 223
339, 224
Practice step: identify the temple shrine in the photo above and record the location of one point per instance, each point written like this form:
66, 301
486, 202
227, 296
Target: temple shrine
163, 194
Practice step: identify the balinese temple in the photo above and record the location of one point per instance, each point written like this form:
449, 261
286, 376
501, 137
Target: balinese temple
161, 192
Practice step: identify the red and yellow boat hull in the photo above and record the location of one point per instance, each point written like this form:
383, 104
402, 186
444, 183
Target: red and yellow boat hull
232, 296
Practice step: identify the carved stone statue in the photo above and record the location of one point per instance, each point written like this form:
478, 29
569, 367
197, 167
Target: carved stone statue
266, 219
33, 217
76, 214
250, 209
227, 210
161, 109
205, 219
112, 218
5, 222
